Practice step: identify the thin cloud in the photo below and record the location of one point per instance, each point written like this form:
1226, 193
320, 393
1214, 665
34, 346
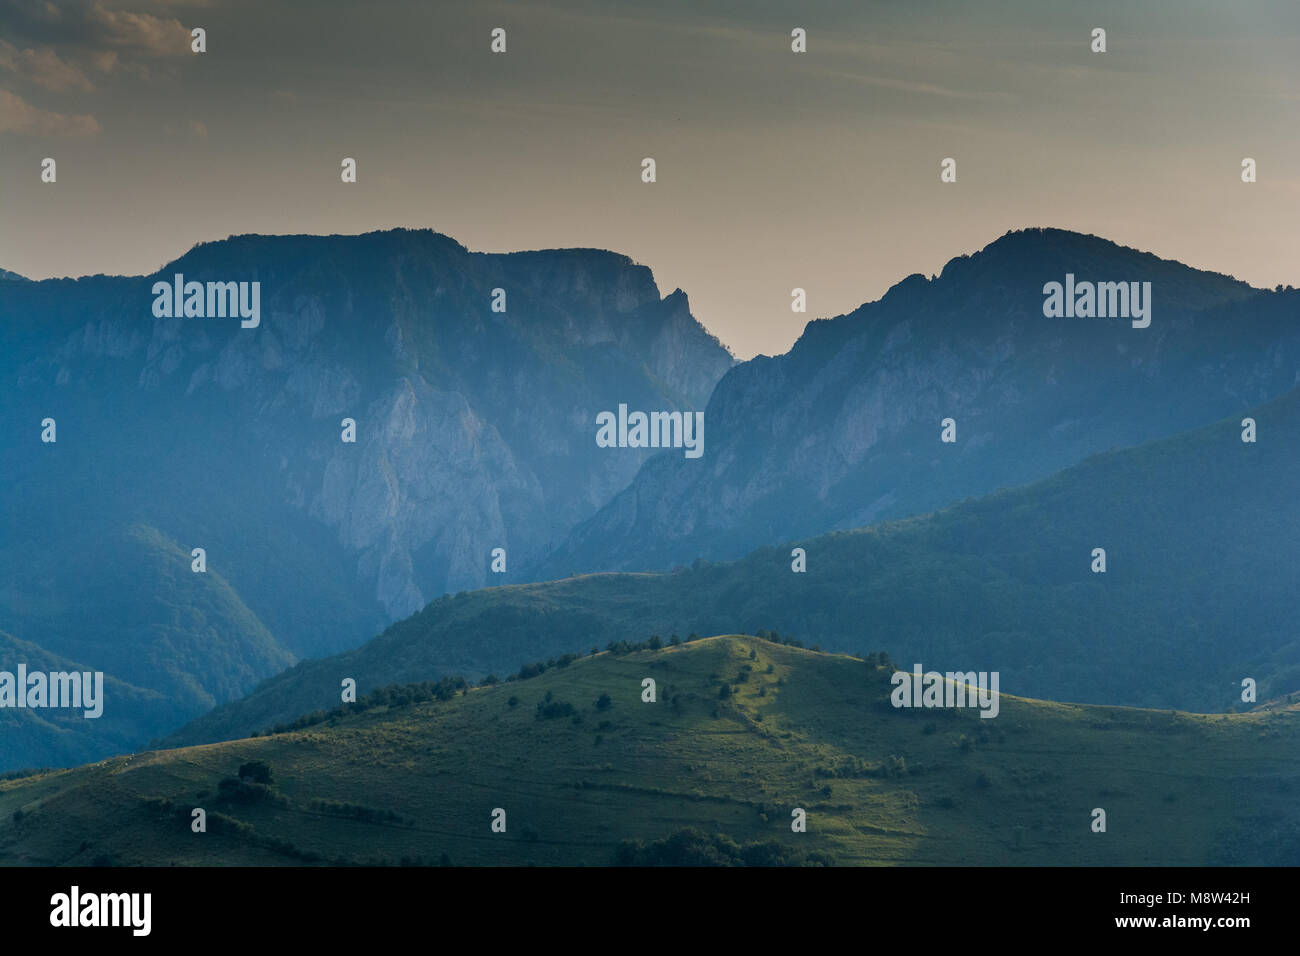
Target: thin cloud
19, 116
44, 67
139, 31
92, 25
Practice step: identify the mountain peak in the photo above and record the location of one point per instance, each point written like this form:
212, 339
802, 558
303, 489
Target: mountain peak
248, 250
1051, 252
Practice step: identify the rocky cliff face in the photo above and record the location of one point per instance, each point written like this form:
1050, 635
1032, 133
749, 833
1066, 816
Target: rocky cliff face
475, 428
844, 430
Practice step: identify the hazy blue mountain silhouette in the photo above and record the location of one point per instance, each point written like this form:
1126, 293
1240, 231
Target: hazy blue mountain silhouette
844, 429
475, 430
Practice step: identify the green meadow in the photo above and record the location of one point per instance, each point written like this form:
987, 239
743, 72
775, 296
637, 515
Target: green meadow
743, 732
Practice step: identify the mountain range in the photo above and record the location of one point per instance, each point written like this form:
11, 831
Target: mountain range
475, 430
844, 430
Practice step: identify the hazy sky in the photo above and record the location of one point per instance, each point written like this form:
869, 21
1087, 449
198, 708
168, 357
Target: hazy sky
775, 169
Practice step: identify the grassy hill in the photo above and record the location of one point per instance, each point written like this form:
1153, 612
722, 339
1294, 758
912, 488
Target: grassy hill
744, 730
1202, 534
